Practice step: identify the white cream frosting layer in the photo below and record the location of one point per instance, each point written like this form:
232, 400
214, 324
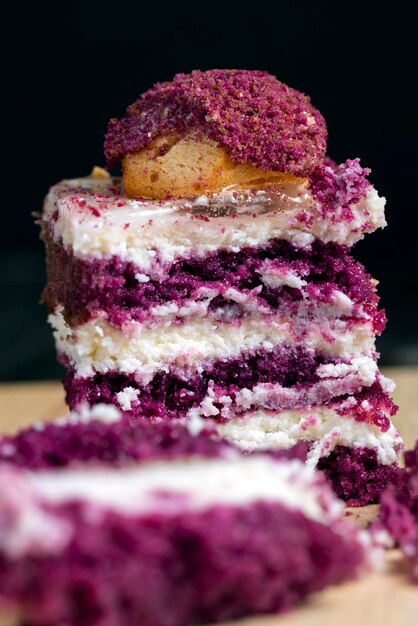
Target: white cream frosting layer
26, 527
96, 346
282, 430
199, 485
140, 231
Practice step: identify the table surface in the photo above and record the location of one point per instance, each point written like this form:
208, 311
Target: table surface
384, 599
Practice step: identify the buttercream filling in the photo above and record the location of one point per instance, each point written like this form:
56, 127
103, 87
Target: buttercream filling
321, 427
98, 347
165, 488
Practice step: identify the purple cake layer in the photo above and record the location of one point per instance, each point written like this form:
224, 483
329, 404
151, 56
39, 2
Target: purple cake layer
171, 395
175, 394
357, 476
87, 286
175, 570
398, 512
117, 444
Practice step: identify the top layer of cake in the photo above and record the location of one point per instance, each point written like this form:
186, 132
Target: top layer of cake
252, 115
91, 217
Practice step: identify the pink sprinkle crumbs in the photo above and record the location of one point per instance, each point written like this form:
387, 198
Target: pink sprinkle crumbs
309, 421
377, 409
336, 188
200, 216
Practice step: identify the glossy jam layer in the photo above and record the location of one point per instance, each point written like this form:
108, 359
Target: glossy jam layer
91, 217
272, 278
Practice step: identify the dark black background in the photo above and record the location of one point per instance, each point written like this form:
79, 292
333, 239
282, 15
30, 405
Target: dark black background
68, 68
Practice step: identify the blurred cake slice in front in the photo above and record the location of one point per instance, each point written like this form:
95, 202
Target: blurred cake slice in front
107, 528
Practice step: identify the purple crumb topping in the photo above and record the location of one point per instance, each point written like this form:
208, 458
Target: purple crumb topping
251, 114
399, 511
190, 568
336, 187
84, 287
356, 474
117, 443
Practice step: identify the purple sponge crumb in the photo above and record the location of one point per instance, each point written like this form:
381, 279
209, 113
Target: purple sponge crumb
336, 187
170, 394
399, 510
251, 114
190, 568
116, 444
357, 476
84, 287
374, 406
354, 473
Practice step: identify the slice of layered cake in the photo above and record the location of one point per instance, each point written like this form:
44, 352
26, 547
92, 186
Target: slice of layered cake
215, 280
192, 532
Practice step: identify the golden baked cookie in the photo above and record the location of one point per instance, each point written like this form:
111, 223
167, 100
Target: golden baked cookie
205, 131
187, 166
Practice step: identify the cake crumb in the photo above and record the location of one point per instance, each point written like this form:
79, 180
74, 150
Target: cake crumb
99, 172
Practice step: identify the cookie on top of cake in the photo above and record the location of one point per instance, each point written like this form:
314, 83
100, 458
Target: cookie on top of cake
205, 131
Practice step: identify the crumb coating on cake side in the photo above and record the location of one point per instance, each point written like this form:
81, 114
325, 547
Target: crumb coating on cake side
256, 118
